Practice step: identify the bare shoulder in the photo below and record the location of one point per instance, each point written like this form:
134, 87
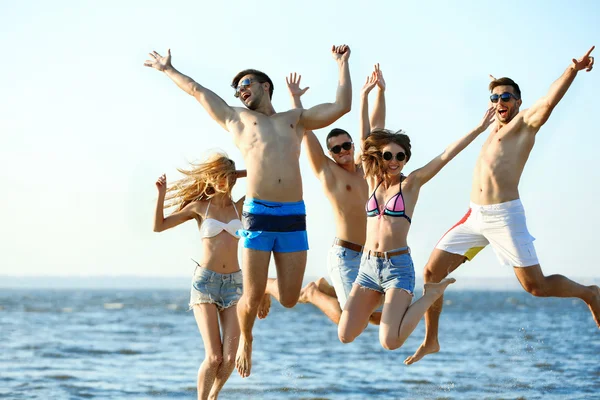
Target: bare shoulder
411, 181
518, 123
198, 207
242, 112
292, 115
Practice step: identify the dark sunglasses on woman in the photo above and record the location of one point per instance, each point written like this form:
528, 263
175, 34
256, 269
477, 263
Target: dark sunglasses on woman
400, 156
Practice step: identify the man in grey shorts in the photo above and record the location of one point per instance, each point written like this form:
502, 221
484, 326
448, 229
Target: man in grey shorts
344, 185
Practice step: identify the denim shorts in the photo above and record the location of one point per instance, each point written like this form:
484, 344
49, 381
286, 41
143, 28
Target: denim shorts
274, 226
342, 265
381, 274
209, 287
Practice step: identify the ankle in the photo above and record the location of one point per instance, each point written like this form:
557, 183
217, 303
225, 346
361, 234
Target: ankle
246, 338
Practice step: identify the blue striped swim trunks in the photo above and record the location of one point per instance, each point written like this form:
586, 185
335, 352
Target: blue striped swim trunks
273, 226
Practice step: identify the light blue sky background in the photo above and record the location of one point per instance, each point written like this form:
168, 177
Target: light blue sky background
85, 129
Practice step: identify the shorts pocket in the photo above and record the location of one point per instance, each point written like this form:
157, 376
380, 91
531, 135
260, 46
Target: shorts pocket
401, 261
201, 280
339, 253
352, 255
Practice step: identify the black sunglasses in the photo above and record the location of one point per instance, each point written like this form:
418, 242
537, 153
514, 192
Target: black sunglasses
337, 149
242, 85
400, 156
504, 97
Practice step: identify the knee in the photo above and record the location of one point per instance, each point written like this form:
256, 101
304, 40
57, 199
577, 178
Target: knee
430, 276
535, 289
345, 338
288, 301
390, 343
213, 361
344, 335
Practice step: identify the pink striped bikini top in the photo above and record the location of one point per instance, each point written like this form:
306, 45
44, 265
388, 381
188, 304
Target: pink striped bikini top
394, 207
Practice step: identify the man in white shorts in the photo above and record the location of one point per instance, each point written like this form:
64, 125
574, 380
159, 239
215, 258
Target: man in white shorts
496, 215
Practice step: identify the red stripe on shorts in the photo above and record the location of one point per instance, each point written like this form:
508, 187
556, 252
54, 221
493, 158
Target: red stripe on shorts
462, 221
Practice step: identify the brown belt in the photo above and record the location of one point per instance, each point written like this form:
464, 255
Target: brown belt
348, 245
387, 254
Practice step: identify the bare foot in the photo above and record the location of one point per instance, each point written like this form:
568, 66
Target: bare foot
325, 287
595, 305
422, 351
437, 288
306, 292
243, 359
264, 307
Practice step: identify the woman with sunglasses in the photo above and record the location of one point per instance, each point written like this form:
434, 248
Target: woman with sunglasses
386, 271
204, 195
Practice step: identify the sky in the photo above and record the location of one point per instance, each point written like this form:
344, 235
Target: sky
85, 128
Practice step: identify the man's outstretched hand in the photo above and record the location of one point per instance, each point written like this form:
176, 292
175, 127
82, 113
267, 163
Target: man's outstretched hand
340, 53
159, 62
586, 62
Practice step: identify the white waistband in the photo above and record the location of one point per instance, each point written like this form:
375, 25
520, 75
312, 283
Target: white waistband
508, 205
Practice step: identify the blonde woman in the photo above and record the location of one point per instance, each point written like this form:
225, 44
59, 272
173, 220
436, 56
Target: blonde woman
386, 270
204, 195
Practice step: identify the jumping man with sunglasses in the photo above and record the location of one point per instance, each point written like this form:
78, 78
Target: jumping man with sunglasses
496, 215
386, 269
274, 216
344, 184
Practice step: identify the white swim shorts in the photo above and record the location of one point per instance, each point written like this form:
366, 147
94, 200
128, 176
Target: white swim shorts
503, 225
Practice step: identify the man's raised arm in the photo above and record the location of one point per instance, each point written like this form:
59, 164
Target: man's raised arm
213, 104
538, 114
316, 156
325, 114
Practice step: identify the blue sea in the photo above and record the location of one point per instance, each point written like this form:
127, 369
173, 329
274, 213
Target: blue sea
144, 344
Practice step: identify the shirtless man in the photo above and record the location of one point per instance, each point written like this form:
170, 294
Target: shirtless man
344, 185
274, 216
496, 214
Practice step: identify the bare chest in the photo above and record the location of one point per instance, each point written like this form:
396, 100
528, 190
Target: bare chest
278, 130
347, 190
506, 146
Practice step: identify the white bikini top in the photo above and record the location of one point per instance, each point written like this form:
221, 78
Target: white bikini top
212, 227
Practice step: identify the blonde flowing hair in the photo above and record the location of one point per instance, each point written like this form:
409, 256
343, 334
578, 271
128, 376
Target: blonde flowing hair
372, 157
202, 181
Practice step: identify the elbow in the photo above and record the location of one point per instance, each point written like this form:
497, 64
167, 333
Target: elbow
158, 228
346, 108
193, 89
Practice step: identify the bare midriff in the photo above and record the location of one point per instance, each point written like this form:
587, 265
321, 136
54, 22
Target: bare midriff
270, 146
220, 253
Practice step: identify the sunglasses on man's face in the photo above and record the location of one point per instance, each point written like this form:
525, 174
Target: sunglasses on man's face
400, 156
338, 148
505, 97
243, 84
